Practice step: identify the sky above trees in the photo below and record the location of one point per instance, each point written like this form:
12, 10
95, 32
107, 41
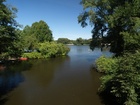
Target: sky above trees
60, 15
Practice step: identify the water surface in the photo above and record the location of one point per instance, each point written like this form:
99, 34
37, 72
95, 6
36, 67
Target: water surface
67, 80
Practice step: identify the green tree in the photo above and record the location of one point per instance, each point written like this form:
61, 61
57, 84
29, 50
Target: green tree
87, 41
122, 79
63, 40
8, 36
28, 39
41, 31
114, 21
79, 41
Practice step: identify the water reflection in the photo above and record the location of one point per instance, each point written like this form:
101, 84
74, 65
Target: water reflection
35, 89
10, 77
60, 81
42, 71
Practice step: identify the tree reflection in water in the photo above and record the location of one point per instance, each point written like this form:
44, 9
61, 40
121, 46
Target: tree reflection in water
11, 76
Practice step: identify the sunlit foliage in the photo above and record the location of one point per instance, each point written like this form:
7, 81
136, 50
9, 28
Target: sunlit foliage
8, 35
116, 22
48, 50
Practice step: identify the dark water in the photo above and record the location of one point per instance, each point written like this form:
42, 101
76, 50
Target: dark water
61, 81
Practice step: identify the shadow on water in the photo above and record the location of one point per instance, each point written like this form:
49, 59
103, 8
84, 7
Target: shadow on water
42, 70
105, 97
37, 80
11, 76
58, 81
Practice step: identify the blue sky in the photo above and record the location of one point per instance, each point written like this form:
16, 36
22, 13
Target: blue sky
60, 15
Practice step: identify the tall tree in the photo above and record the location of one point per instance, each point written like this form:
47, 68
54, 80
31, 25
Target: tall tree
29, 40
41, 31
38, 32
114, 21
117, 22
8, 36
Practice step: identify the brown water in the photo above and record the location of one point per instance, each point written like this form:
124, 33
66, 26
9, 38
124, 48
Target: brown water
60, 81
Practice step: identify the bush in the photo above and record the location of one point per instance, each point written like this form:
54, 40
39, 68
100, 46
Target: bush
106, 65
32, 55
53, 49
124, 83
48, 50
63, 50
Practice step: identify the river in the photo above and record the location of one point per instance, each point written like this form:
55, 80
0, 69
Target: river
68, 80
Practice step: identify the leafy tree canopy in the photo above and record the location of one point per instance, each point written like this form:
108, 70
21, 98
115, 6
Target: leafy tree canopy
114, 21
41, 31
38, 32
29, 40
8, 35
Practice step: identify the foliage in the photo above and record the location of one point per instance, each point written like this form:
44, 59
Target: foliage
78, 41
8, 35
37, 33
81, 41
132, 42
52, 49
41, 31
63, 40
48, 50
29, 40
106, 65
33, 55
114, 21
124, 82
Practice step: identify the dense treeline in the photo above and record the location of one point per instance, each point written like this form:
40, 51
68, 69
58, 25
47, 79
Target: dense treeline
36, 39
8, 35
78, 41
116, 22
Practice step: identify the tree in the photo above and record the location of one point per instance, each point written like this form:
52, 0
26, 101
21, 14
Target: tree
117, 22
122, 80
79, 41
8, 36
28, 39
41, 31
114, 21
87, 41
63, 40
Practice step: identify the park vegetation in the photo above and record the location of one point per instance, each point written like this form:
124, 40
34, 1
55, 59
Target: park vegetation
38, 42
116, 22
78, 41
35, 41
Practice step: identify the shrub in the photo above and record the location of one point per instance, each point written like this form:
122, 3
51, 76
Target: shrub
32, 55
48, 50
124, 83
53, 49
106, 65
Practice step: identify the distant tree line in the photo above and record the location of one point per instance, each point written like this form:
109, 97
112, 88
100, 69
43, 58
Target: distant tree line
78, 41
